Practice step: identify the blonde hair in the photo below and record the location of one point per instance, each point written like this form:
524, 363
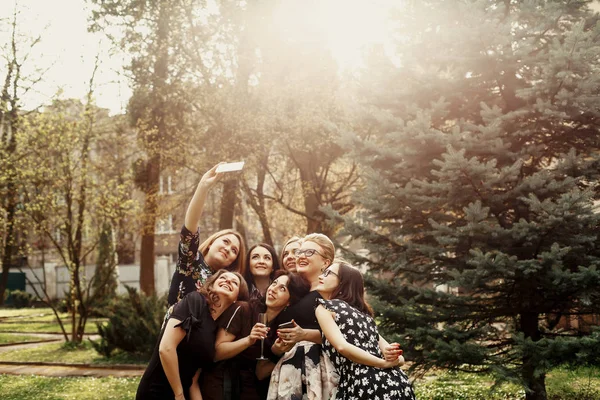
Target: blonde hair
325, 243
239, 264
293, 239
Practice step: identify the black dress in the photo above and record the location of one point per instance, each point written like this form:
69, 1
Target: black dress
358, 381
235, 378
196, 350
191, 271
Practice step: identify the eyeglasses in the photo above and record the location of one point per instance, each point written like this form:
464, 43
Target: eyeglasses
328, 271
307, 253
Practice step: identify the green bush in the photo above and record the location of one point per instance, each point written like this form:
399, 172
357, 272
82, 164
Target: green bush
134, 322
20, 299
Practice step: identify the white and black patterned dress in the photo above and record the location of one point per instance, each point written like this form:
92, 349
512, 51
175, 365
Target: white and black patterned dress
359, 381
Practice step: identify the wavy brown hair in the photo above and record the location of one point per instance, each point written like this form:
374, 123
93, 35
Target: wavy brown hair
239, 265
206, 289
352, 287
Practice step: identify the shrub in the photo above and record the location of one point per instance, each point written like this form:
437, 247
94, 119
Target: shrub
134, 323
21, 299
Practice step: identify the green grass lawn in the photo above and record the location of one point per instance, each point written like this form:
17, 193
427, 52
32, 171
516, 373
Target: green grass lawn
58, 352
561, 384
46, 327
17, 312
9, 338
30, 387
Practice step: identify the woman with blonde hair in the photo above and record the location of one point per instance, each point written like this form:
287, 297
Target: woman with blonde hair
288, 258
197, 262
303, 372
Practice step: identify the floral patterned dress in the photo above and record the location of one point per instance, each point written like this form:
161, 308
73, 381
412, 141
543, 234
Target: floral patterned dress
358, 381
191, 271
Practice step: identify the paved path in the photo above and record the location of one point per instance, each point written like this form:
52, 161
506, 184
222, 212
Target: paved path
60, 369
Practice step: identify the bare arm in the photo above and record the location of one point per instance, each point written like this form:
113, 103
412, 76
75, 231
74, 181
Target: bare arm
196, 206
355, 354
167, 351
195, 393
226, 347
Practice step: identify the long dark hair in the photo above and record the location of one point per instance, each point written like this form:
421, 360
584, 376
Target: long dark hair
248, 275
352, 287
297, 286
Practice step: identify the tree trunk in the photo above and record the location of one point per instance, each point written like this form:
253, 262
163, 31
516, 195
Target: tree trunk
149, 223
228, 204
535, 383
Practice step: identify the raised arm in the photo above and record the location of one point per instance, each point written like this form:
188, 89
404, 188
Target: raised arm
167, 351
196, 206
227, 347
355, 354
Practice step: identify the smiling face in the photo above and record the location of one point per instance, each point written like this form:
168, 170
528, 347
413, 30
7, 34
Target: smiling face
329, 281
227, 286
310, 267
278, 296
261, 262
288, 258
223, 251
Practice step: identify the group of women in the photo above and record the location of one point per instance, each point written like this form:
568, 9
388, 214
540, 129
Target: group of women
252, 325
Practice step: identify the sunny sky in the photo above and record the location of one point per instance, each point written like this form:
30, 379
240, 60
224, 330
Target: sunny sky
66, 53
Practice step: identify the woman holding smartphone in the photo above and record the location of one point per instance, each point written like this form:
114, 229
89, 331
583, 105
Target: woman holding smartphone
303, 371
197, 262
239, 342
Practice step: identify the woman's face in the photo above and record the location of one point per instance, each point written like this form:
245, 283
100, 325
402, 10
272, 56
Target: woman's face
261, 262
310, 260
289, 259
223, 251
329, 280
227, 286
278, 296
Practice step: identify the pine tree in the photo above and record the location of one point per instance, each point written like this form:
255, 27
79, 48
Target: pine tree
481, 182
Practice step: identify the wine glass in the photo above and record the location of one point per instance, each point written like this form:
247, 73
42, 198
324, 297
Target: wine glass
262, 318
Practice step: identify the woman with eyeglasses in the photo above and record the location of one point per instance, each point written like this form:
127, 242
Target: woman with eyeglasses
197, 262
367, 366
238, 342
303, 372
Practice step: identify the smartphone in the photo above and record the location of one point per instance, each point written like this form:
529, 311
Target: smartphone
230, 167
289, 324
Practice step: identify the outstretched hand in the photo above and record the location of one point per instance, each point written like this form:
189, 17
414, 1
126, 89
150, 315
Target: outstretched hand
211, 176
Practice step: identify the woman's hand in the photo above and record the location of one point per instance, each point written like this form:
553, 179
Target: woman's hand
211, 177
291, 335
259, 331
392, 352
280, 347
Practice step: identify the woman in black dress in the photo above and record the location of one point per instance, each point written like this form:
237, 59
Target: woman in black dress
367, 367
303, 372
238, 342
197, 262
261, 265
187, 340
